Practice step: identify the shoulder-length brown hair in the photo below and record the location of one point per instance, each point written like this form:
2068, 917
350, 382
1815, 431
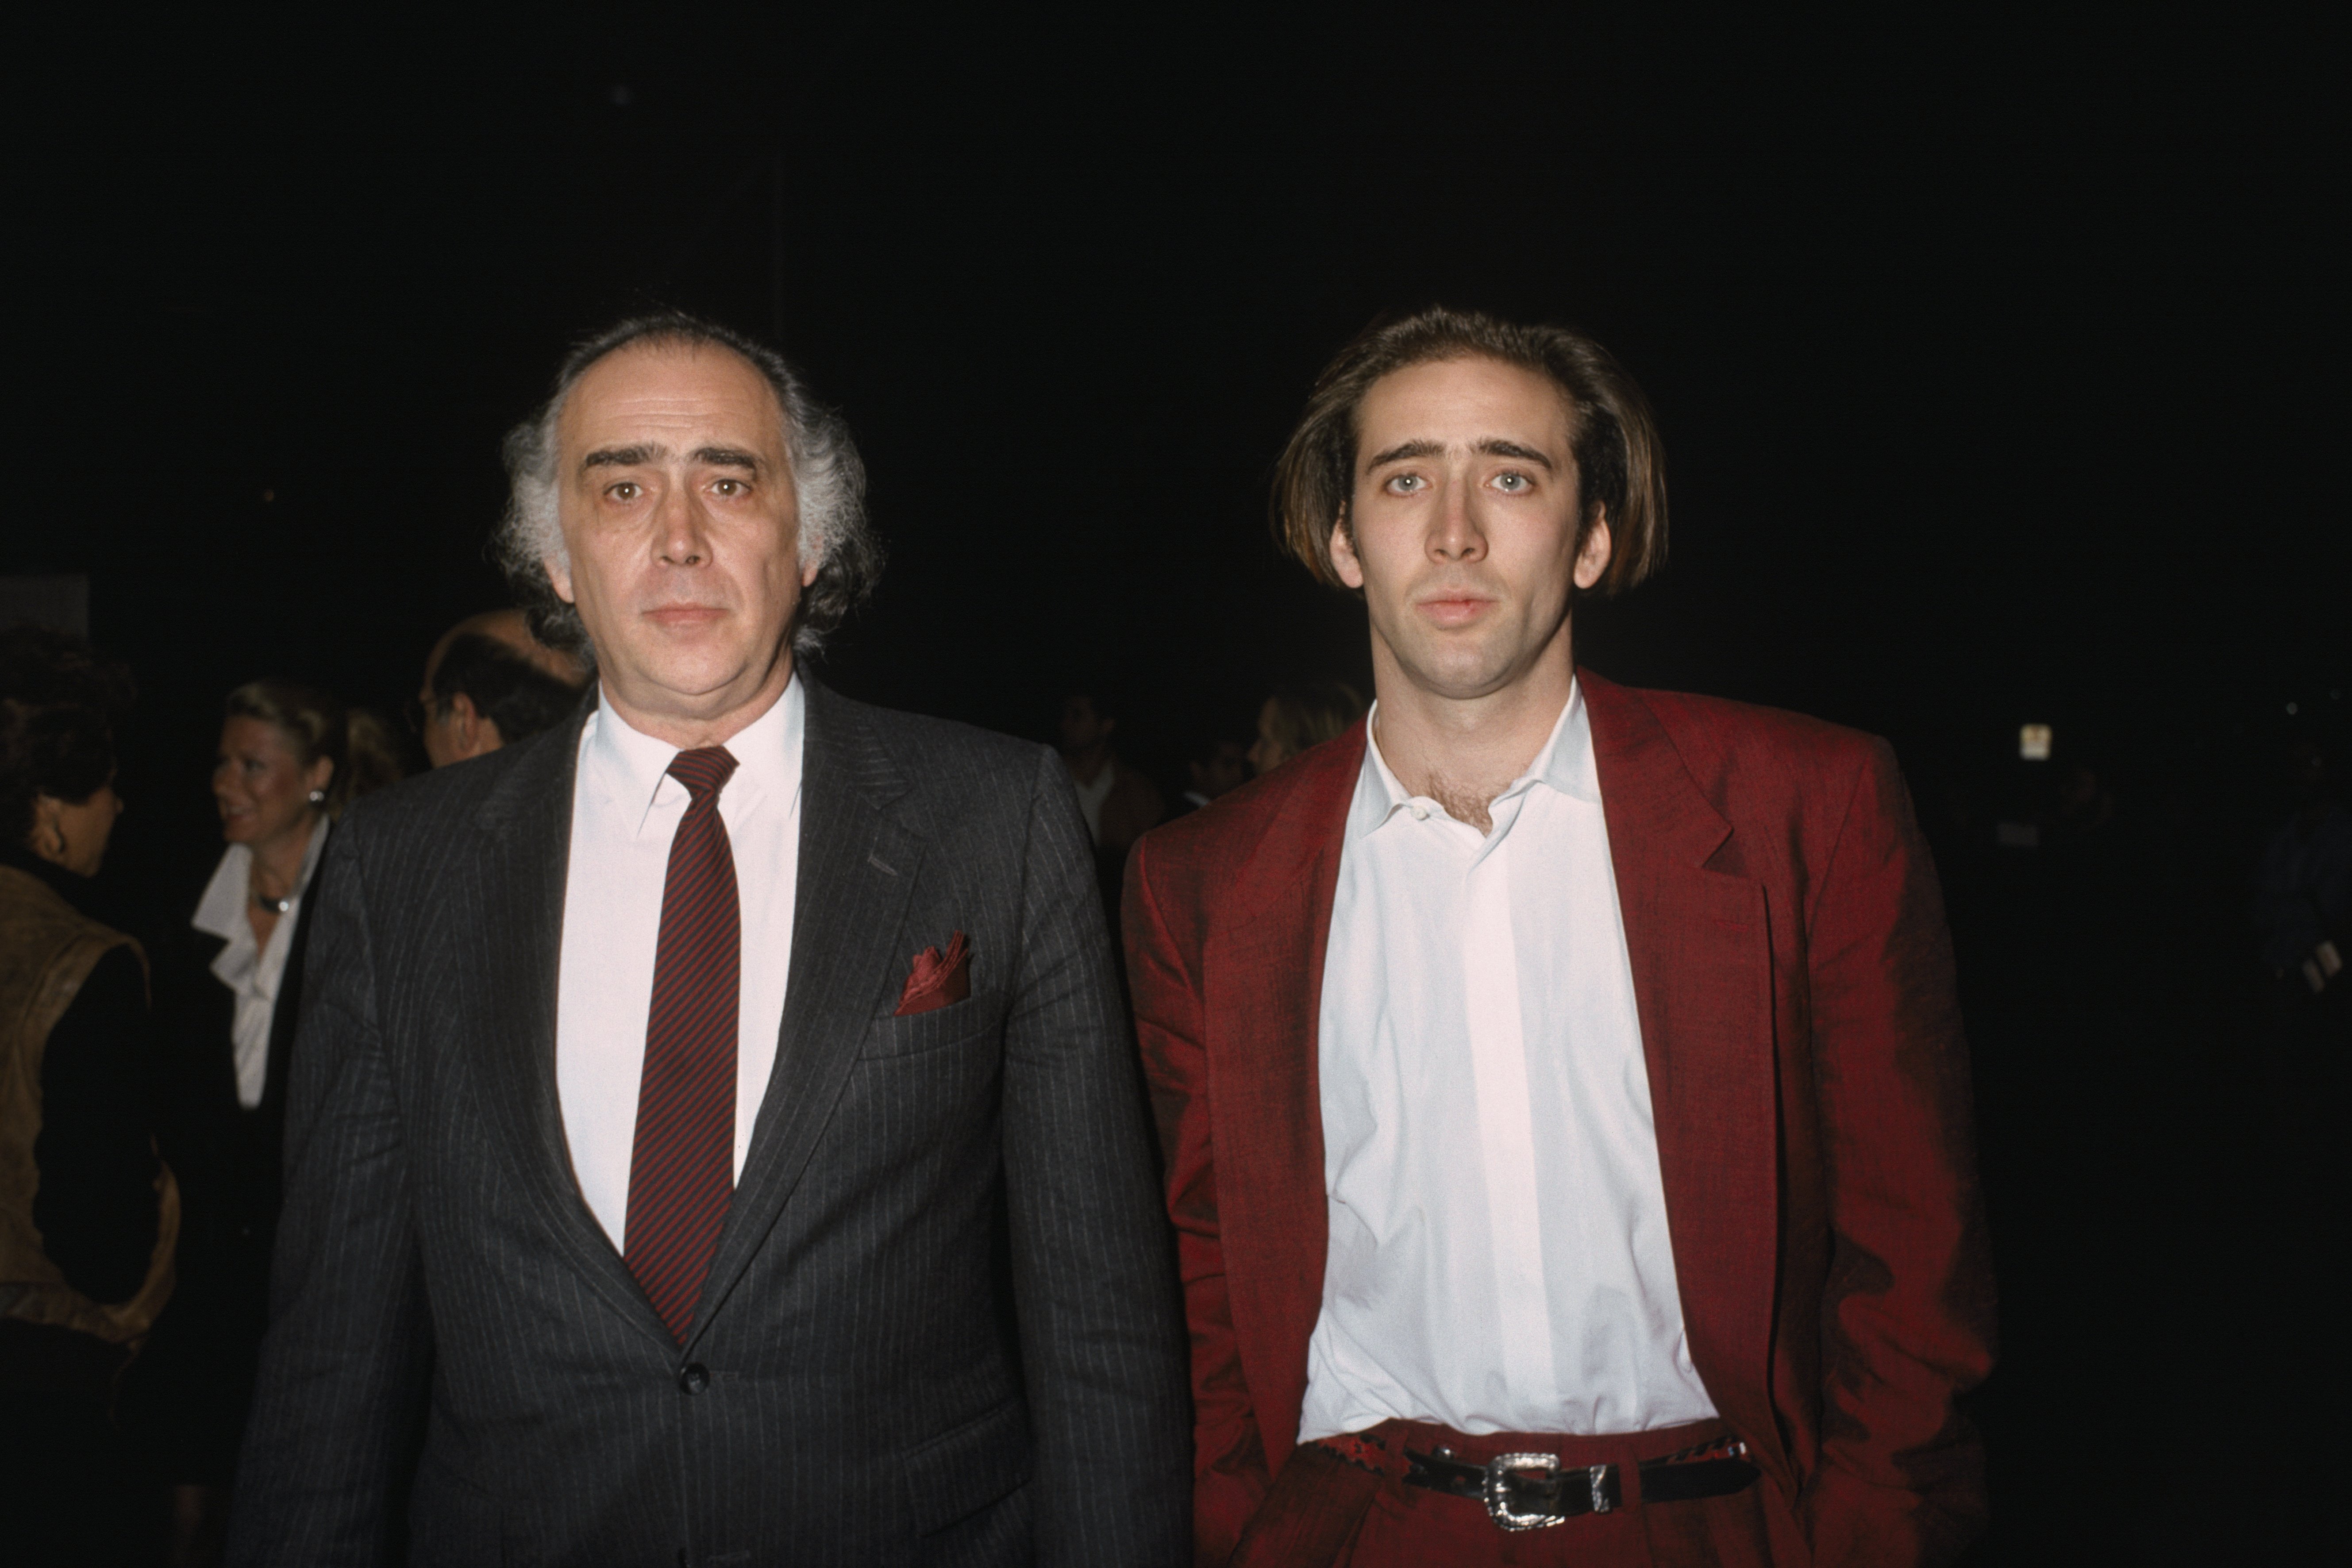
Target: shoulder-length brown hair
1620, 471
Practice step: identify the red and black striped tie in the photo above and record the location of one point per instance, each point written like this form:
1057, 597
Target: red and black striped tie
682, 1169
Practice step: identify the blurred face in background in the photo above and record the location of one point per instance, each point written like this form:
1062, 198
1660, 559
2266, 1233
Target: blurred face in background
260, 785
683, 532
1267, 753
1084, 729
73, 834
1222, 771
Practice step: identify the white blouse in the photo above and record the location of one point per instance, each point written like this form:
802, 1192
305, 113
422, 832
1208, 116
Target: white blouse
247, 968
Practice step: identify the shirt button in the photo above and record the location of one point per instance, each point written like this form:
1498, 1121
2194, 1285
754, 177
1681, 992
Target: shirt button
1420, 814
694, 1377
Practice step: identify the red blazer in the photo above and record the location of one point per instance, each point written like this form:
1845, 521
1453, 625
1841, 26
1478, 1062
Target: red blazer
1809, 1080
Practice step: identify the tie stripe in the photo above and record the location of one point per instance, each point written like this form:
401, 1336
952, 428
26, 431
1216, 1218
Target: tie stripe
682, 1167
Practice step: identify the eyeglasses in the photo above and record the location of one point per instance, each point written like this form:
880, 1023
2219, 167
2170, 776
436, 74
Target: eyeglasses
417, 711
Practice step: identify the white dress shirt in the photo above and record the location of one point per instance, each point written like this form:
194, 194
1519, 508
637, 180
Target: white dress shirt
252, 970
1498, 1259
624, 811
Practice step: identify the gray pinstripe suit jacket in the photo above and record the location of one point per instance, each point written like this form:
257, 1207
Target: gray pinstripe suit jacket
941, 1324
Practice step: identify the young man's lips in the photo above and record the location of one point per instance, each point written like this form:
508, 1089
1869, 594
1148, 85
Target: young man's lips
1452, 610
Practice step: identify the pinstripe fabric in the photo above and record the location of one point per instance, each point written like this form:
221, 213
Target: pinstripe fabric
682, 1163
939, 1324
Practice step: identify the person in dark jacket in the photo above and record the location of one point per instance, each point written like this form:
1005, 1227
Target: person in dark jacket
489, 683
87, 1213
229, 998
713, 1136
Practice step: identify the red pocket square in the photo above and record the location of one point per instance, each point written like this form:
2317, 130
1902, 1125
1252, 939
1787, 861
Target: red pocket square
939, 978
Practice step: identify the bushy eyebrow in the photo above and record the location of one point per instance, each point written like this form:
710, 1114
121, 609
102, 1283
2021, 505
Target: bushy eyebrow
633, 457
623, 456
1494, 446
726, 458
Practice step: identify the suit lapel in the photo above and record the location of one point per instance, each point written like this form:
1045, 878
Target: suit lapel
857, 870
513, 890
1702, 983
1263, 988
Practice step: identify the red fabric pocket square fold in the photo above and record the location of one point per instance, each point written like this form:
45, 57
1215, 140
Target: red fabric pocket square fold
938, 978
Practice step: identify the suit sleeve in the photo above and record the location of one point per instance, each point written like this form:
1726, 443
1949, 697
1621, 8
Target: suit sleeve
1229, 1464
1094, 1288
332, 1433
1907, 1313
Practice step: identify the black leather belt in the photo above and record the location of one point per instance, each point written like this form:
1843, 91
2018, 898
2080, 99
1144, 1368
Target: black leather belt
1528, 1491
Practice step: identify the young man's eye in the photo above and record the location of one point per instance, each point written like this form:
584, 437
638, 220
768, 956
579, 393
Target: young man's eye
1512, 483
1405, 484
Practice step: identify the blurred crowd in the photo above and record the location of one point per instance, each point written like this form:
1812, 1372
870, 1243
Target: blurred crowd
142, 1077
143, 1080
142, 1083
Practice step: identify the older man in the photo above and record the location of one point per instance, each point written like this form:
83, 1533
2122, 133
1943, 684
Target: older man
1566, 1111
489, 683
715, 1139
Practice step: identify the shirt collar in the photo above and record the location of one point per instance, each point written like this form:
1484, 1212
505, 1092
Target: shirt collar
1566, 762
631, 768
1564, 765
221, 911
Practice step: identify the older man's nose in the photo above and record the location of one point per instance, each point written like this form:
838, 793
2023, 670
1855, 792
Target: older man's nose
684, 544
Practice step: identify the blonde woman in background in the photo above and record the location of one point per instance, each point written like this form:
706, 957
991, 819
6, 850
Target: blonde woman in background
282, 773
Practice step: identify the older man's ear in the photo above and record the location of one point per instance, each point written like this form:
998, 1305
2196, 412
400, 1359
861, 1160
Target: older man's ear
559, 576
475, 734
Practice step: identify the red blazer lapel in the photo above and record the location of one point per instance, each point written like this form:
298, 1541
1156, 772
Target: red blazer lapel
1701, 956
1262, 997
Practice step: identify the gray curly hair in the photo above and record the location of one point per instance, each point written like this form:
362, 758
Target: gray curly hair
828, 482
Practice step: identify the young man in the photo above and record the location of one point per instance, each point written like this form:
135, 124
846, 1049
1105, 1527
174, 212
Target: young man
1565, 1108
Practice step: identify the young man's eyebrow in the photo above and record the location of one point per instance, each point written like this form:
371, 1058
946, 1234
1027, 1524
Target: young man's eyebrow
1409, 449
1496, 446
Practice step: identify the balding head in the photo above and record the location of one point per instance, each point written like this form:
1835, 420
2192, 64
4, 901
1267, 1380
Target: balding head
489, 683
512, 628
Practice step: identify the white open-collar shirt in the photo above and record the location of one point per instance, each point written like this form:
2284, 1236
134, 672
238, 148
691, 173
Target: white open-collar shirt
252, 971
1498, 1256
625, 812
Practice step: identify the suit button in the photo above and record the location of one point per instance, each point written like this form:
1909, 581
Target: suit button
694, 1377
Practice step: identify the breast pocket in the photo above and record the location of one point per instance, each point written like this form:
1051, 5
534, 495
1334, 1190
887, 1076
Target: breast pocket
979, 1016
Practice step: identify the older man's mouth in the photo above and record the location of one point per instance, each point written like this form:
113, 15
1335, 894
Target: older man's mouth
685, 616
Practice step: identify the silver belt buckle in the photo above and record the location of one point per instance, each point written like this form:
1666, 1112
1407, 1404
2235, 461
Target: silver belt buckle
1540, 1466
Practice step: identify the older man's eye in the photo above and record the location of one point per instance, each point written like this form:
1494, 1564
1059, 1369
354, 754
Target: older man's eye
728, 487
625, 491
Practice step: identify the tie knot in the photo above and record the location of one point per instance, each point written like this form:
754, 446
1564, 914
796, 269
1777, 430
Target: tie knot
703, 771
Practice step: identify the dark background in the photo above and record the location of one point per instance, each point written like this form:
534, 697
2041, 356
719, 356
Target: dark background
1997, 361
